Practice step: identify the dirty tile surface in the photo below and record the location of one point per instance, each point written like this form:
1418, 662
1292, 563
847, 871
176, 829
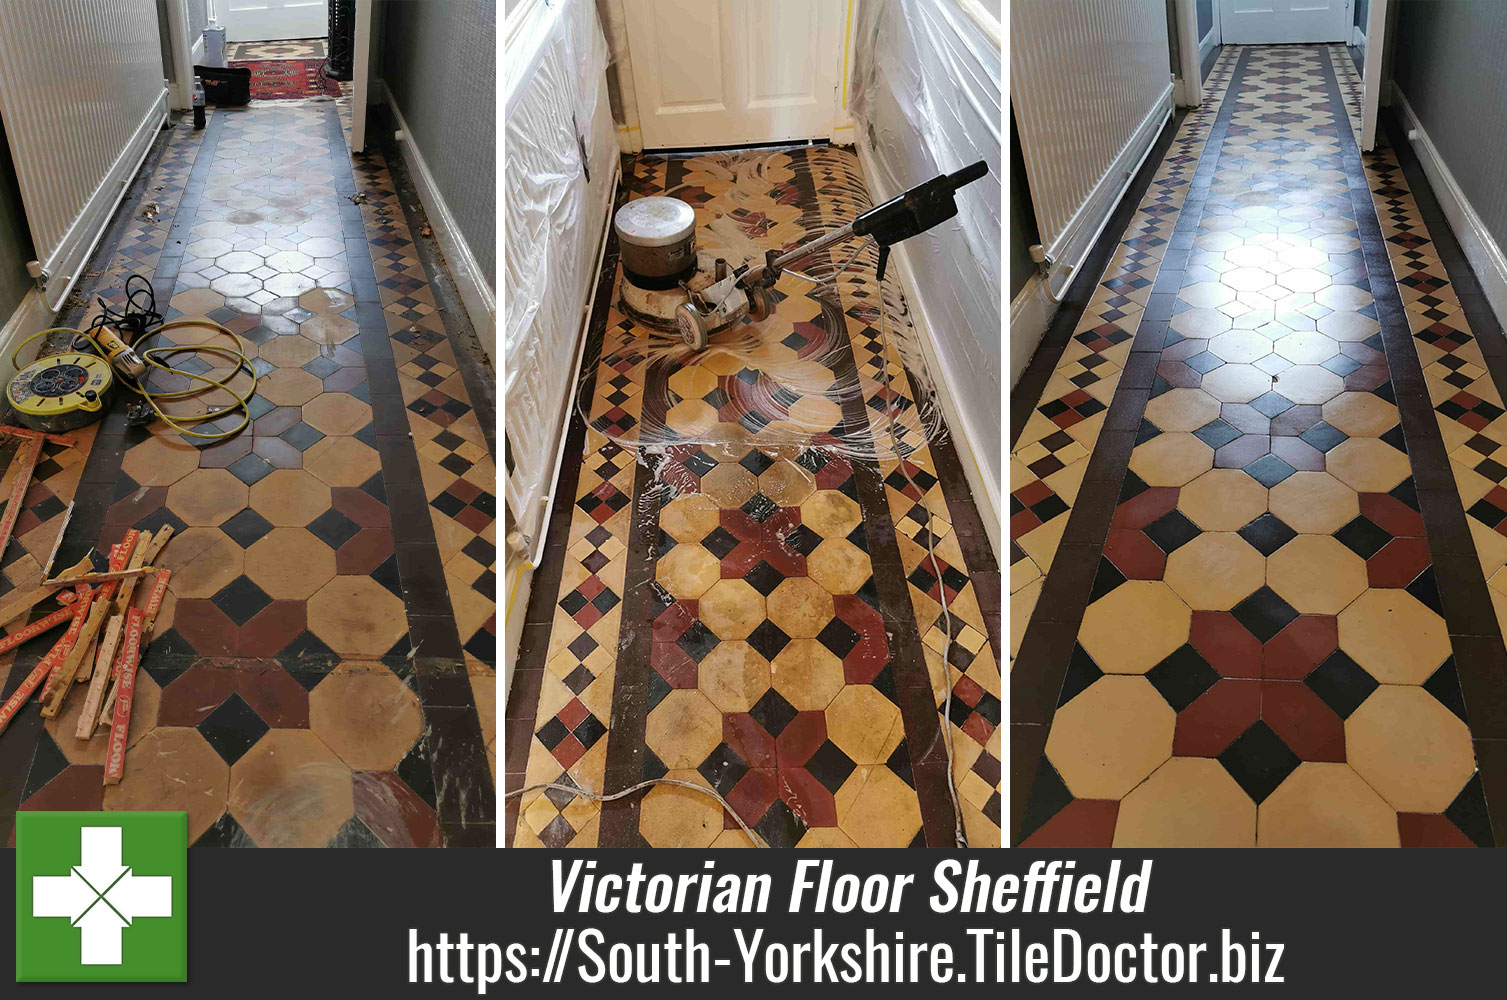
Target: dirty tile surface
751, 607
322, 672
1271, 635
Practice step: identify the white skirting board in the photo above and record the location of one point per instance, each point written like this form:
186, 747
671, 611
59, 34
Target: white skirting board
31, 316
1481, 250
518, 584
475, 289
1031, 313
960, 420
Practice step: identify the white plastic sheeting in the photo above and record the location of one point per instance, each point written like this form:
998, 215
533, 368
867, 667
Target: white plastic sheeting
928, 96
560, 149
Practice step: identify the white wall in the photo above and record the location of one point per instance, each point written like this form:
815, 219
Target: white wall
928, 96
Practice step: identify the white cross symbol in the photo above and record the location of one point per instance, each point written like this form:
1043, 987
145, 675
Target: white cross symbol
100, 896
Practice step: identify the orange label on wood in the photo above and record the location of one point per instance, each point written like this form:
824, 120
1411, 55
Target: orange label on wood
126, 662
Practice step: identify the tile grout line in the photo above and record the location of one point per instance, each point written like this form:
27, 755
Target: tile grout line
445, 704
1041, 664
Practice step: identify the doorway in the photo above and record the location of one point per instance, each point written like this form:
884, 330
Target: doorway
272, 20
730, 73
1283, 22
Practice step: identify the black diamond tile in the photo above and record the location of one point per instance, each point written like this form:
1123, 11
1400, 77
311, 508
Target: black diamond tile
1363, 537
830, 766
302, 436
233, 728
1171, 531
246, 528
241, 599
1324, 437
250, 469
1216, 433
1267, 533
1182, 677
1264, 614
723, 769
1341, 683
773, 712
1271, 403
768, 639
1269, 470
697, 641
764, 578
1259, 761
720, 542
1444, 684
333, 528
839, 637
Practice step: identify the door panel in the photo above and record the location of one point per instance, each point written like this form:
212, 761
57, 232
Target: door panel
734, 71
1260, 22
268, 20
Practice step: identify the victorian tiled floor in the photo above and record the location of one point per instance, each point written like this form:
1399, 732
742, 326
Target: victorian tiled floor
749, 605
322, 670
1264, 617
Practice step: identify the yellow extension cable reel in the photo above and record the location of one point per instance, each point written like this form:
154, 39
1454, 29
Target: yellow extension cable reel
61, 392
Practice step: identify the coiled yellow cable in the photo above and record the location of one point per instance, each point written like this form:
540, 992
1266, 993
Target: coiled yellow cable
149, 355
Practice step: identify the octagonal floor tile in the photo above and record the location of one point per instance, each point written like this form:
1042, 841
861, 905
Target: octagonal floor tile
876, 808
806, 674
1360, 414
1108, 738
1171, 459
290, 563
864, 724
357, 616
734, 676
731, 609
1314, 503
1213, 572
1223, 500
367, 715
671, 816
342, 461
1368, 465
1161, 623
1187, 802
1410, 748
683, 729
800, 607
160, 460
1325, 805
1316, 574
1182, 409
174, 768
291, 790
290, 497
1393, 636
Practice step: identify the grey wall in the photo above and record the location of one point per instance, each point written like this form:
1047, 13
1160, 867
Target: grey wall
1362, 10
439, 63
1205, 17
198, 19
15, 238
1450, 66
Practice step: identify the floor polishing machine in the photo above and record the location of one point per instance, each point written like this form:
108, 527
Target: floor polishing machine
671, 285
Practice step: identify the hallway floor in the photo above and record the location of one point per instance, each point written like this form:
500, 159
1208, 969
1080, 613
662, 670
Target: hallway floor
740, 595
322, 673
1256, 506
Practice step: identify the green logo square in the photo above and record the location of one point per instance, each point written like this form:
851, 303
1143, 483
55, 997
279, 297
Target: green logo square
102, 897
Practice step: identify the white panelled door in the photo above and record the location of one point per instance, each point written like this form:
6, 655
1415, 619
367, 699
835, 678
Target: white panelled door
268, 20
1264, 22
727, 72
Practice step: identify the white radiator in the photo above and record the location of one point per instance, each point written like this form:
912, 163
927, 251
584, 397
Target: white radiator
81, 95
1091, 85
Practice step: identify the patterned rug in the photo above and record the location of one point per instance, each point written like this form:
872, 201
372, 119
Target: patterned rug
289, 78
